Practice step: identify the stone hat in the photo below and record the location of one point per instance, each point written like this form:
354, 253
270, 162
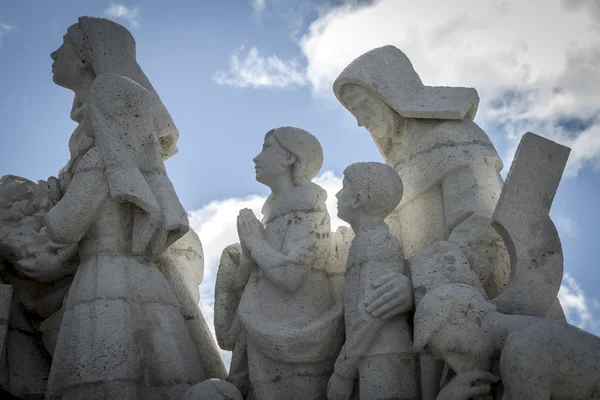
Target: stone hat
387, 72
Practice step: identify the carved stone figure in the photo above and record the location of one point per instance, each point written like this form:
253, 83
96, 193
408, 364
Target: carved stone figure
124, 130
377, 351
539, 358
40, 272
427, 134
275, 302
122, 333
450, 171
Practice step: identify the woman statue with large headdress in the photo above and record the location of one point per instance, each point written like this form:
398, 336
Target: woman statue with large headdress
122, 333
450, 170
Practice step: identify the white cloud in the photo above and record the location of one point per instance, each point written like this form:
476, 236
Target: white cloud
533, 73
121, 11
258, 6
5, 29
578, 308
215, 224
257, 71
566, 225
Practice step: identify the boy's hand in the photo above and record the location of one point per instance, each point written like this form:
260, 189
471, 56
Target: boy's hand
339, 388
393, 296
468, 385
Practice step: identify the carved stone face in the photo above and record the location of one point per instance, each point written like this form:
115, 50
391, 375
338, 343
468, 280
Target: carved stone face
370, 112
465, 345
68, 68
272, 161
346, 200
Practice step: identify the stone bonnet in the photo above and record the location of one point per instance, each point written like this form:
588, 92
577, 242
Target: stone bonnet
110, 48
305, 147
388, 73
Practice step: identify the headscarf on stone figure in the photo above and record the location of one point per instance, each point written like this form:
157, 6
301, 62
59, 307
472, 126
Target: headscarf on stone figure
133, 132
141, 178
387, 73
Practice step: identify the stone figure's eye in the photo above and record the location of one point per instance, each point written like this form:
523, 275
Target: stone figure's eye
451, 347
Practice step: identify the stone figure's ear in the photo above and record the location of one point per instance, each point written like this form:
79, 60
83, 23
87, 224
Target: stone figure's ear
290, 159
359, 200
475, 316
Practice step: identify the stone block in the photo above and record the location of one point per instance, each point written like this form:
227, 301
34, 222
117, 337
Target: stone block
521, 217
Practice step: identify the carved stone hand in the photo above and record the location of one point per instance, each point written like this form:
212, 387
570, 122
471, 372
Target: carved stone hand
393, 296
468, 385
250, 230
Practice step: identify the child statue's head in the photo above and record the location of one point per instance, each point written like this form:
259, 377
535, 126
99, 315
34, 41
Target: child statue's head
452, 322
289, 150
369, 188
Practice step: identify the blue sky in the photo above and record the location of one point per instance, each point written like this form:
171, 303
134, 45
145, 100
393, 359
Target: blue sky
230, 70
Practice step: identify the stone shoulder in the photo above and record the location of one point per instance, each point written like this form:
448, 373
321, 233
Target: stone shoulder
377, 244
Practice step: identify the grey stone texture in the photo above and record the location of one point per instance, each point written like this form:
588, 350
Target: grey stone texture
276, 300
521, 217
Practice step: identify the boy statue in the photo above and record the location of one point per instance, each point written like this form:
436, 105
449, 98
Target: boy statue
377, 351
540, 359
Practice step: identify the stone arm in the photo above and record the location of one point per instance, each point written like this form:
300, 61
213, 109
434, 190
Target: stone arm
69, 220
306, 240
228, 292
361, 339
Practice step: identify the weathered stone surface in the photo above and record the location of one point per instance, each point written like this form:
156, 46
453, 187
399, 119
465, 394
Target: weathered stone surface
123, 330
389, 72
441, 263
377, 352
485, 251
448, 165
522, 220
213, 389
539, 358
286, 327
453, 191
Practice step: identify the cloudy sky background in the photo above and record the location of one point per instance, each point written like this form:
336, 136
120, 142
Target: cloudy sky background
230, 70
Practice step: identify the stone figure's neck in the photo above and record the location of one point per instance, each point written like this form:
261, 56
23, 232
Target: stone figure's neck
81, 94
364, 222
282, 185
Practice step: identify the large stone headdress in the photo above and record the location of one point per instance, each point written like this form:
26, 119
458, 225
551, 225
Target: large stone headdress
389, 74
110, 48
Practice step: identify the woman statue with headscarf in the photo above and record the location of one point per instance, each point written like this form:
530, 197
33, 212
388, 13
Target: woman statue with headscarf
450, 171
277, 300
122, 334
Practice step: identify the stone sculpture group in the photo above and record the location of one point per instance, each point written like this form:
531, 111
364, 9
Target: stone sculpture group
445, 287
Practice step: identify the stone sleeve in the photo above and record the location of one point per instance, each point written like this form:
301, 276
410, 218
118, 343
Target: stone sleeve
305, 242
359, 340
69, 220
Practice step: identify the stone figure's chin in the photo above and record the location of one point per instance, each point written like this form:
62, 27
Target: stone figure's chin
380, 131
